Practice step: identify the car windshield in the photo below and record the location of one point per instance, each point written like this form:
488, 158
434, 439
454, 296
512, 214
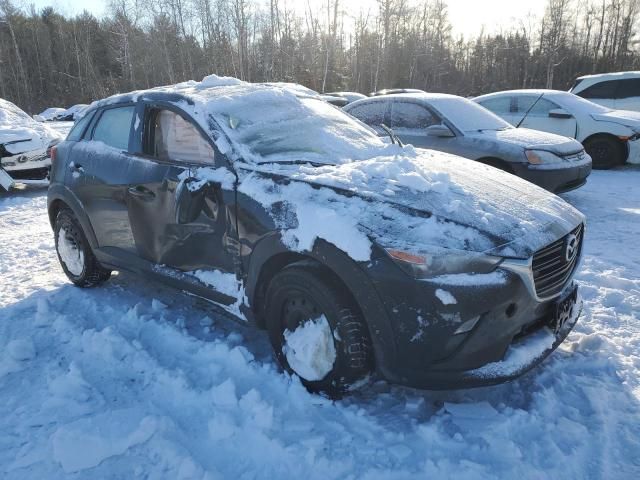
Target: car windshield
467, 115
574, 103
275, 126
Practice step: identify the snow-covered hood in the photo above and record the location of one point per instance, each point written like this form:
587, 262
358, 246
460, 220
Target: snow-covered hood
19, 133
626, 118
532, 140
423, 200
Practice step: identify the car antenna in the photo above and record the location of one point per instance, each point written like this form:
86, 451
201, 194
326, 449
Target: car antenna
394, 138
529, 110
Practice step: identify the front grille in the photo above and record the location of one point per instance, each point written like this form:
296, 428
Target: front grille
575, 157
551, 269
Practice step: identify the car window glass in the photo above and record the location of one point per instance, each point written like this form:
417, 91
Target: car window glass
600, 90
80, 126
500, 105
114, 126
177, 139
542, 106
411, 116
370, 113
629, 87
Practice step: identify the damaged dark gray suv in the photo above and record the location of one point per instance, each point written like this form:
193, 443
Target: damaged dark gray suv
357, 256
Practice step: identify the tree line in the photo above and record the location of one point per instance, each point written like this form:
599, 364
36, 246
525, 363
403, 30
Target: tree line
47, 59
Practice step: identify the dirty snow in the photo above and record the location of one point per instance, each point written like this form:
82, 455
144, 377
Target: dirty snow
133, 380
310, 350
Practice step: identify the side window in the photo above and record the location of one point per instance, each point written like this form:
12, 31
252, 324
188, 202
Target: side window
499, 106
114, 127
600, 90
373, 113
411, 116
175, 138
541, 108
80, 126
629, 87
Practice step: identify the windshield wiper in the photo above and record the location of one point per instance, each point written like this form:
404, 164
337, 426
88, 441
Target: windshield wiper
394, 138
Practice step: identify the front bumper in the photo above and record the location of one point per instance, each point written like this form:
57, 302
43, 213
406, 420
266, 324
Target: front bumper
428, 352
556, 180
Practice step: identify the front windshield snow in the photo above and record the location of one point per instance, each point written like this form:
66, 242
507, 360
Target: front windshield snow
467, 115
277, 126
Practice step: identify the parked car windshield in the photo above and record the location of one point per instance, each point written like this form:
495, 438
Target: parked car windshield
269, 127
574, 103
467, 115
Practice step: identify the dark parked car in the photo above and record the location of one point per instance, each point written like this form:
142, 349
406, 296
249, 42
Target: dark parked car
453, 124
356, 255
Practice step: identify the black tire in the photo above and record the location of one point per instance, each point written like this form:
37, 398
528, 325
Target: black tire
354, 355
92, 272
606, 152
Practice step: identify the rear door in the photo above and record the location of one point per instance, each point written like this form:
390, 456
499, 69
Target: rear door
98, 173
540, 117
173, 147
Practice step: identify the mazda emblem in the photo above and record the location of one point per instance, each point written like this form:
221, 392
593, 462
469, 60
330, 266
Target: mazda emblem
571, 248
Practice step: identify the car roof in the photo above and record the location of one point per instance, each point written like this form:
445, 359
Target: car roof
403, 96
610, 76
524, 91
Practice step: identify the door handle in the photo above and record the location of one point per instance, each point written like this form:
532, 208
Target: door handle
142, 192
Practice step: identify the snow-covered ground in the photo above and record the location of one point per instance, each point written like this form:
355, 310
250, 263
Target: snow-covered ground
132, 380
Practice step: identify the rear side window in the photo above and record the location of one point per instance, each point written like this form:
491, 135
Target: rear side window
600, 90
499, 106
411, 116
629, 87
373, 113
80, 126
114, 127
542, 106
177, 139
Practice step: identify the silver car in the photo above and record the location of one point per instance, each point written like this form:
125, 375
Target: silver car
459, 126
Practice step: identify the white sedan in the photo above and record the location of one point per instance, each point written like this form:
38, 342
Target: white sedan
609, 136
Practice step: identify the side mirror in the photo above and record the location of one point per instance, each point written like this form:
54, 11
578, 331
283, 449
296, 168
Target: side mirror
439, 131
560, 113
190, 197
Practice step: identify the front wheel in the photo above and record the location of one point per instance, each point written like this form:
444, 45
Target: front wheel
317, 332
74, 252
605, 152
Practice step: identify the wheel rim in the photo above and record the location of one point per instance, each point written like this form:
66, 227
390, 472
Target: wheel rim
601, 153
298, 309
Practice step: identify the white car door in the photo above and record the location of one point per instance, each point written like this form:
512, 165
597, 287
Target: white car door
544, 115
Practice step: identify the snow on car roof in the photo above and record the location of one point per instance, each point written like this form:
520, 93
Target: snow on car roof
611, 75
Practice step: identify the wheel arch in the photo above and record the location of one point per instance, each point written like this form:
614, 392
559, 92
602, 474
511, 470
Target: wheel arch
270, 256
60, 197
624, 144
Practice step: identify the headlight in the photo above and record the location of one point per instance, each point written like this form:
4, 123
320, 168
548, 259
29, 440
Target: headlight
539, 157
444, 262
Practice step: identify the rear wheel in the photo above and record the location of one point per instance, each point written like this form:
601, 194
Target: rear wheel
606, 152
317, 332
74, 252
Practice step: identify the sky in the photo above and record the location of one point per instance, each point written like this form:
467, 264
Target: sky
468, 17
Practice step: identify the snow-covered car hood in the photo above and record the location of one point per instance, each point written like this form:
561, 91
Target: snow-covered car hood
20, 133
532, 139
419, 201
622, 117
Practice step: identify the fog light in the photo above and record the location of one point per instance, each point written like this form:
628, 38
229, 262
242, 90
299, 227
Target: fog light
467, 326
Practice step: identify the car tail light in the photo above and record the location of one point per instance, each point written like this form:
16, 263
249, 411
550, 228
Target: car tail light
53, 150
